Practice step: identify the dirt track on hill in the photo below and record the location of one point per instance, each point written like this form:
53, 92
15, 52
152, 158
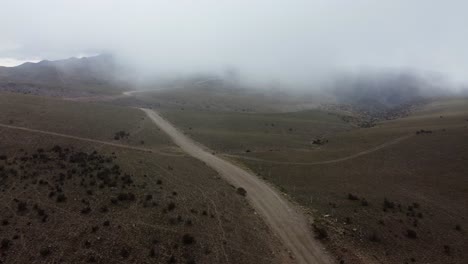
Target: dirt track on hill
361, 153
88, 140
289, 224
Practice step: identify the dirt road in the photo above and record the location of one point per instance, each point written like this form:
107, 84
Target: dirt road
361, 153
88, 140
289, 224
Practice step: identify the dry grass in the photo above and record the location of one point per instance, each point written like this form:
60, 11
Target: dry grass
174, 208
423, 176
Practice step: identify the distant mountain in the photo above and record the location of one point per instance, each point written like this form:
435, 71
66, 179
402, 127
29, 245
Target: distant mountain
70, 77
386, 89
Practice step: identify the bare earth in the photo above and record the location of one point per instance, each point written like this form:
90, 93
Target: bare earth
288, 223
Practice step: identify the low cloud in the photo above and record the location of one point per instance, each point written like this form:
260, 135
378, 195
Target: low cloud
298, 41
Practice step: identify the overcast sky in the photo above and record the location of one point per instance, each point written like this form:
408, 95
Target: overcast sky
290, 39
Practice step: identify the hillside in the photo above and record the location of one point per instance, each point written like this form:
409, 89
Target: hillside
79, 185
65, 78
393, 193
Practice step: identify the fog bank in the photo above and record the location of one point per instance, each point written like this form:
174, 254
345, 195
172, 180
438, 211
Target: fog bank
297, 41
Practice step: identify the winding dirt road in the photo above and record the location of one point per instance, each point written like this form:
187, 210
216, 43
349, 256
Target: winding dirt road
364, 152
289, 224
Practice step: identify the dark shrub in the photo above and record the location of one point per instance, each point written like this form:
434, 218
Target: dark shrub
5, 244
104, 209
320, 232
171, 206
172, 260
187, 239
411, 234
22, 206
61, 198
126, 197
374, 237
86, 210
364, 202
352, 197
447, 250
92, 259
241, 191
125, 253
347, 220
40, 212
387, 204
45, 252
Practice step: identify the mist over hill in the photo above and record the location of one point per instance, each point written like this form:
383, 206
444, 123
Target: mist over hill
387, 89
68, 77
371, 91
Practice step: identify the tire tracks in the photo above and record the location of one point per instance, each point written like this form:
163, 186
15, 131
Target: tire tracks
286, 222
353, 156
50, 133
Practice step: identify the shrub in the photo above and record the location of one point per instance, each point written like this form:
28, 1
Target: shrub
364, 202
92, 259
388, 205
5, 244
126, 197
61, 198
320, 232
171, 206
40, 212
187, 239
45, 252
411, 234
125, 253
22, 206
374, 237
352, 197
447, 250
86, 210
172, 259
241, 191
104, 209
152, 253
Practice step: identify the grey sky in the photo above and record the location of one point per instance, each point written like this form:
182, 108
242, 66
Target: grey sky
290, 39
